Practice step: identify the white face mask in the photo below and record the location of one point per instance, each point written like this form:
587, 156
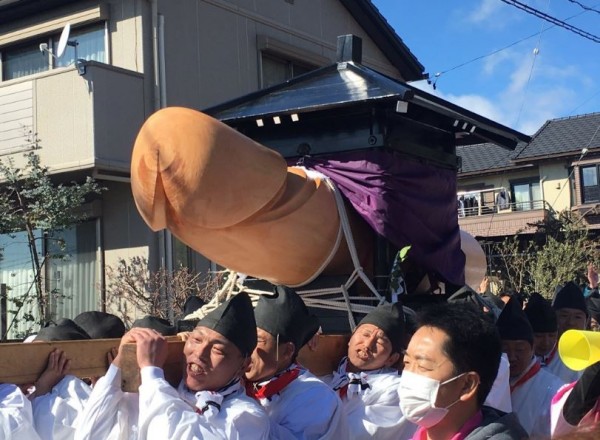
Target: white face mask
417, 399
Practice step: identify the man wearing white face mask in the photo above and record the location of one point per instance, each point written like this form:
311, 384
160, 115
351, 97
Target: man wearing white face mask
449, 368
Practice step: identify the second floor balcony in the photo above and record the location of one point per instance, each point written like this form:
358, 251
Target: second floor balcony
491, 213
75, 121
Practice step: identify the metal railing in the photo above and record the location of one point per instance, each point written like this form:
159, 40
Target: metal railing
478, 209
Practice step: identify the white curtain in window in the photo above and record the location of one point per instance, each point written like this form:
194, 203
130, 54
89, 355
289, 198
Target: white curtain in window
23, 61
17, 273
90, 46
74, 276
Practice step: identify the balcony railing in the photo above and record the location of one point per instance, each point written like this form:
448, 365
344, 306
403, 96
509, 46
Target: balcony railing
494, 220
504, 208
74, 121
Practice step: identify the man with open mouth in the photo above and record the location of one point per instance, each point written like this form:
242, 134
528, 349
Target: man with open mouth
367, 379
210, 401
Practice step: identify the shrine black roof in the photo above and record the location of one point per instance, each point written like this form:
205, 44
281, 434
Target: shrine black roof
345, 84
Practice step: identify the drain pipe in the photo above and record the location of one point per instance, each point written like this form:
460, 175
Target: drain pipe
165, 238
155, 52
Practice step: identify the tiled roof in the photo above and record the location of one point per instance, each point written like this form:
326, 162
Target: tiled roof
485, 157
564, 135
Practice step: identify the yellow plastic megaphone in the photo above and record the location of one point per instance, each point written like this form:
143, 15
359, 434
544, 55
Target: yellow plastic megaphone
579, 349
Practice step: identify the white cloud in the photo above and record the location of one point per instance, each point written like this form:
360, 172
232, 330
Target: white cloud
550, 93
491, 63
509, 108
485, 10
473, 102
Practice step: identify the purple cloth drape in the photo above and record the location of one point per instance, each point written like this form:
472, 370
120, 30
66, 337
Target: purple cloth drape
405, 201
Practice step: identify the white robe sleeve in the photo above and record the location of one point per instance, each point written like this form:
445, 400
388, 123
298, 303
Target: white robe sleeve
165, 416
109, 413
56, 414
499, 395
377, 414
16, 418
311, 416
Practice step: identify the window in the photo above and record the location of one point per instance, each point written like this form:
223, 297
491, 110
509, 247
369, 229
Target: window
276, 70
23, 60
527, 196
18, 274
90, 46
72, 274
186, 257
27, 59
590, 191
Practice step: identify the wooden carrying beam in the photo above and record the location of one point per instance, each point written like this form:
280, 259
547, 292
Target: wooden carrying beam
23, 363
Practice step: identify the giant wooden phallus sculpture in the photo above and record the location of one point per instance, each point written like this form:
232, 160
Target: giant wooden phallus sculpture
234, 201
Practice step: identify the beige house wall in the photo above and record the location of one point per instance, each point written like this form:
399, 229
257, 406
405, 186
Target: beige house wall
212, 47
494, 180
555, 179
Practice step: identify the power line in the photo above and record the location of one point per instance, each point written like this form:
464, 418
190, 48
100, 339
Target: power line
584, 102
585, 7
552, 20
508, 46
536, 51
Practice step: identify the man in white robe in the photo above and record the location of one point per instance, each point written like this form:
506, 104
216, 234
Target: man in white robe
532, 387
58, 398
367, 380
299, 405
210, 402
16, 419
571, 313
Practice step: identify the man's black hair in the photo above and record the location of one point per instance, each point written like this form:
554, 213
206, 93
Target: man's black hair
473, 342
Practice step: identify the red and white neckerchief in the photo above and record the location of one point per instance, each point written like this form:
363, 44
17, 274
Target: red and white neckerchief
348, 384
208, 403
266, 391
534, 368
545, 360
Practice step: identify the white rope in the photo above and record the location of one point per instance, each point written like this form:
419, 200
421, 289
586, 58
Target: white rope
340, 233
336, 298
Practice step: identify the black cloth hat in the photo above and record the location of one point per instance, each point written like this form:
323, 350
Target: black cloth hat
389, 318
161, 325
100, 325
513, 324
192, 304
286, 316
540, 313
467, 295
234, 319
495, 299
593, 306
569, 296
63, 330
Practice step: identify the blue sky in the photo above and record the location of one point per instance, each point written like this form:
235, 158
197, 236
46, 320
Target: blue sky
514, 86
